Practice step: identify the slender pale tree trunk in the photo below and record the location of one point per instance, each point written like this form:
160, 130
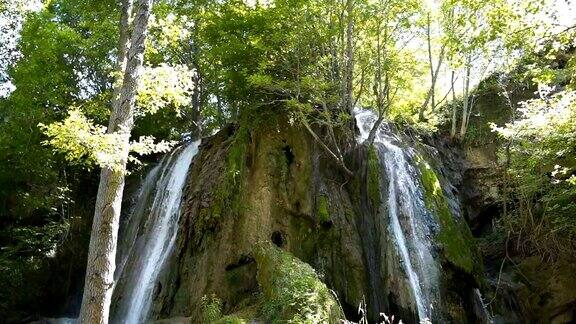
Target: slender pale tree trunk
123, 46
197, 91
381, 83
102, 251
470, 109
454, 109
430, 96
465, 99
349, 57
196, 113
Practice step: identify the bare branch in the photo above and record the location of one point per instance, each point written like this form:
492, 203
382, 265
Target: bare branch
325, 147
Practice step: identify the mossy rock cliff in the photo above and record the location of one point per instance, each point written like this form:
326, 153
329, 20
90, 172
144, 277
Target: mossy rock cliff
324, 231
248, 186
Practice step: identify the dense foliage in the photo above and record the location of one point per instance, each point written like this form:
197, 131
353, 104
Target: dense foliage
63, 55
541, 163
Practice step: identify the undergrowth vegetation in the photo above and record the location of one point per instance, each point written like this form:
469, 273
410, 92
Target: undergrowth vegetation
540, 184
290, 292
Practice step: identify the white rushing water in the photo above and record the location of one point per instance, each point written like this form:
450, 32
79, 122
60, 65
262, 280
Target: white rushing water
150, 235
394, 167
409, 220
131, 225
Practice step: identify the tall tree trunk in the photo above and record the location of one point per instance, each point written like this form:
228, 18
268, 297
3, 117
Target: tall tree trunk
123, 46
381, 86
465, 99
349, 57
470, 109
102, 251
196, 115
454, 109
430, 96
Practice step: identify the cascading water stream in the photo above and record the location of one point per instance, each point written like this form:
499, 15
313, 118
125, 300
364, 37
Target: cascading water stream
394, 177
409, 220
150, 235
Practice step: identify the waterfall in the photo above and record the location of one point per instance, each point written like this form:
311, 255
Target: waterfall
149, 235
409, 222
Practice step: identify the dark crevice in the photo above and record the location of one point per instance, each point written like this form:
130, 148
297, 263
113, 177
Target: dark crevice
278, 239
327, 224
289, 154
157, 290
244, 260
351, 312
298, 206
482, 221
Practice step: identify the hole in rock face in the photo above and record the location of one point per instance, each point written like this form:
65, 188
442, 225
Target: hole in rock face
327, 224
298, 205
278, 239
289, 154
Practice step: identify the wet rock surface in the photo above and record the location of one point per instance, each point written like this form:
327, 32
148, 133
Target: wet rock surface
275, 185
266, 195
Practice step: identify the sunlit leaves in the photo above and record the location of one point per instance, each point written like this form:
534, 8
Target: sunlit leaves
545, 136
540, 155
146, 145
471, 26
164, 86
170, 36
544, 118
83, 142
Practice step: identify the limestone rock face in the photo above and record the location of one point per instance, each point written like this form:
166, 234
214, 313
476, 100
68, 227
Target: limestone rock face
274, 185
243, 189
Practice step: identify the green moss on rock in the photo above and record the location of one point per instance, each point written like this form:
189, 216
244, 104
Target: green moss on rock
227, 196
371, 183
212, 312
291, 289
456, 244
236, 163
323, 212
232, 319
246, 315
